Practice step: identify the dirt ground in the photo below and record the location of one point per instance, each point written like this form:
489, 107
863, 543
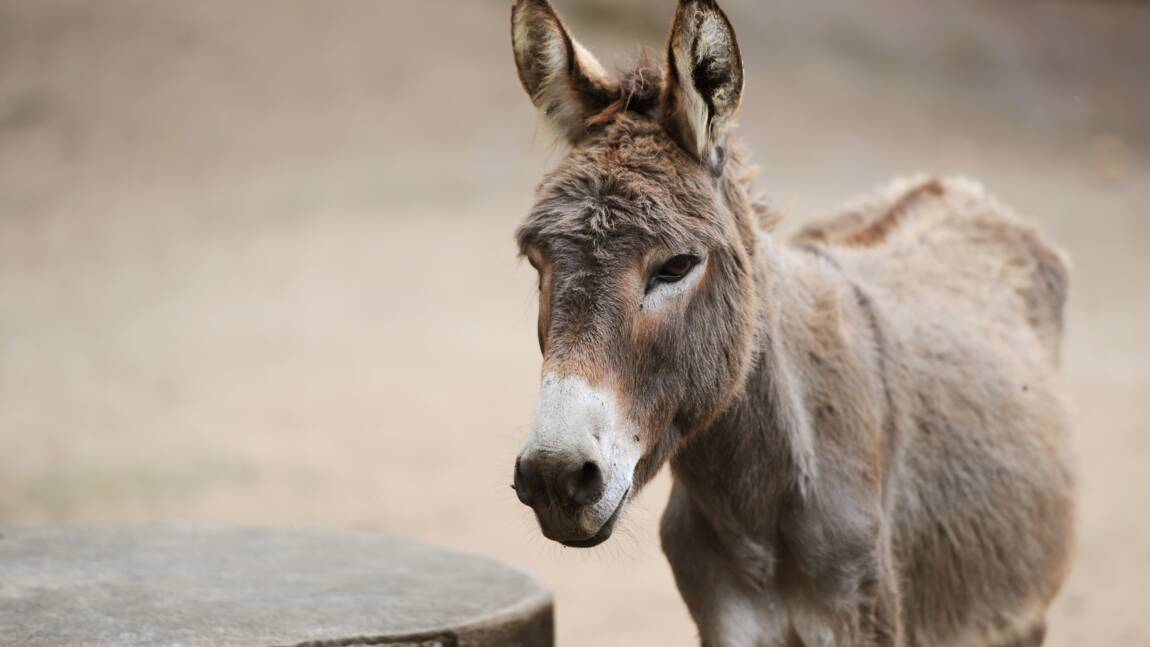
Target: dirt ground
256, 262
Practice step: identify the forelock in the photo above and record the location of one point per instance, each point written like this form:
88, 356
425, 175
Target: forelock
638, 93
630, 184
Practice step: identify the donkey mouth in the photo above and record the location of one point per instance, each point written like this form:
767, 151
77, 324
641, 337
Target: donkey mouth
604, 533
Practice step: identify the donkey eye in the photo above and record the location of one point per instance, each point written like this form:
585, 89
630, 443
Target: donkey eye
673, 270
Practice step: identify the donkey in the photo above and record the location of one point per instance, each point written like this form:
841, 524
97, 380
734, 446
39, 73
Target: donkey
864, 423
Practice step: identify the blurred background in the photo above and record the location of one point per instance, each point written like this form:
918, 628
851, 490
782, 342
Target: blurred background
256, 259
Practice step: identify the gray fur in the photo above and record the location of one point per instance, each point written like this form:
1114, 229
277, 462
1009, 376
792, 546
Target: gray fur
865, 424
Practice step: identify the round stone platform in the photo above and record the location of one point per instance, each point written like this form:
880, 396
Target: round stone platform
193, 587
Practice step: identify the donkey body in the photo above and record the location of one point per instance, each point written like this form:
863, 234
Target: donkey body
933, 499
864, 423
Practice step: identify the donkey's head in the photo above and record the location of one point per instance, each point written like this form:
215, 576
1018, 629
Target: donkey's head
642, 239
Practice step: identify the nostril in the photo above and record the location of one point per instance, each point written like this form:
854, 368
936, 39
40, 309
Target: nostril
584, 485
521, 486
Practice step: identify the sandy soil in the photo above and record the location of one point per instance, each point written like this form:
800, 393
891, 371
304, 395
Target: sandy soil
256, 261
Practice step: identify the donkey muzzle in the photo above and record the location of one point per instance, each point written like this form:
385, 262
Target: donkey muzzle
566, 485
577, 466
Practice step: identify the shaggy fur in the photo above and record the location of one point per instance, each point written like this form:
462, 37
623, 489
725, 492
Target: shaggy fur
864, 424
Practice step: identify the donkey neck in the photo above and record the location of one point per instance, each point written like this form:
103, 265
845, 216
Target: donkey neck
758, 456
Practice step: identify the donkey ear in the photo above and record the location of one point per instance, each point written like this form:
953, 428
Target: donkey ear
704, 79
564, 80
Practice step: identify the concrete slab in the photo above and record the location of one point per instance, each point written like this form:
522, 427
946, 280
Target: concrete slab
196, 587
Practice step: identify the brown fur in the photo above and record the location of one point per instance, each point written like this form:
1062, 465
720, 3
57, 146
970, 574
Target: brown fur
865, 425
876, 232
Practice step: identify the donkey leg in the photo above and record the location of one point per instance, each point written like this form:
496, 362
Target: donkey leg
726, 611
878, 622
1034, 637
853, 602
882, 608
869, 622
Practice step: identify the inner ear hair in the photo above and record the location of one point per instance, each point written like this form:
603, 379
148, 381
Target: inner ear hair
565, 82
704, 81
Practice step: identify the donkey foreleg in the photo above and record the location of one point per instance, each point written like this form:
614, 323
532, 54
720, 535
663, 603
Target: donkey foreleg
861, 613
729, 608
1034, 637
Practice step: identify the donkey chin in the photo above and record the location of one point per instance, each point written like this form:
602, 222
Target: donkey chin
577, 467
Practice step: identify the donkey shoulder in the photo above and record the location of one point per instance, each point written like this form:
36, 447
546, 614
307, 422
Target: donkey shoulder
948, 241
